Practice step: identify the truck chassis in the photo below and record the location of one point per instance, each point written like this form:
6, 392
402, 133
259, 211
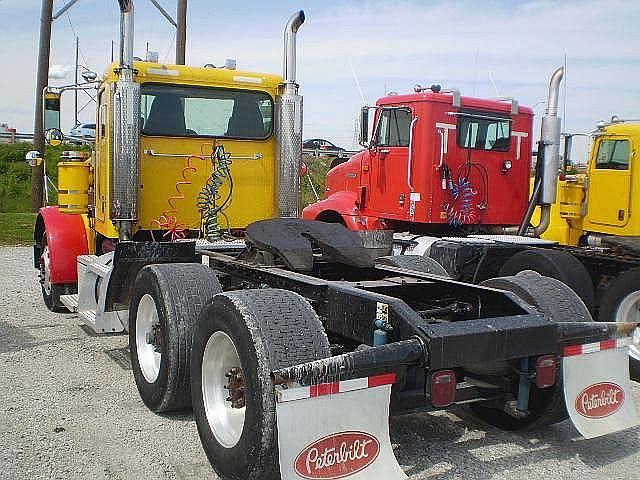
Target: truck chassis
324, 313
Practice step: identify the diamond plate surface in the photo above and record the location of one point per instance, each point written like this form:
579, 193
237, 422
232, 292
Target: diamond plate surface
125, 159
289, 128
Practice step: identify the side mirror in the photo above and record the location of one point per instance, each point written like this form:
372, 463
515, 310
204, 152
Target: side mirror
51, 110
364, 127
53, 137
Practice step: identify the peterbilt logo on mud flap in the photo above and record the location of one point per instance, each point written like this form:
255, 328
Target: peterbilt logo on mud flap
600, 400
337, 456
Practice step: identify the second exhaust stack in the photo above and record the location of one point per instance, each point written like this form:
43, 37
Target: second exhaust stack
550, 142
289, 126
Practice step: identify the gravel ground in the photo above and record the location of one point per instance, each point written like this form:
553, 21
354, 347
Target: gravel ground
70, 409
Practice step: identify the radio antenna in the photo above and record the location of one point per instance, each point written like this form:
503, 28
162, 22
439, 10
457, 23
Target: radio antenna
495, 87
355, 79
564, 100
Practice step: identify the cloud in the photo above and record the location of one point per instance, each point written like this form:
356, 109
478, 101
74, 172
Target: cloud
59, 72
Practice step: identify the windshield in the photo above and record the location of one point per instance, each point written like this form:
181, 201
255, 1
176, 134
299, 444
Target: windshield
183, 111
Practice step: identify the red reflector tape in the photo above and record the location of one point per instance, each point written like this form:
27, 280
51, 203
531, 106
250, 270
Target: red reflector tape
332, 388
607, 344
379, 380
573, 350
610, 344
324, 389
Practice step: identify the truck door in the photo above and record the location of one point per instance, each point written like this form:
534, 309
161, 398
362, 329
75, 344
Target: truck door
610, 182
388, 191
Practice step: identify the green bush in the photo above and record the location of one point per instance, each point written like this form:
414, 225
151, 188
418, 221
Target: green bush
317, 168
15, 175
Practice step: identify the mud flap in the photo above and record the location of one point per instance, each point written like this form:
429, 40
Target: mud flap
337, 430
597, 389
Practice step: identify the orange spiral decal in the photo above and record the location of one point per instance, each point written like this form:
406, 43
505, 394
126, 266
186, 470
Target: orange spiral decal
168, 219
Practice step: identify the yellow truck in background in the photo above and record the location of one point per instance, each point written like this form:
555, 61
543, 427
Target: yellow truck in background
596, 216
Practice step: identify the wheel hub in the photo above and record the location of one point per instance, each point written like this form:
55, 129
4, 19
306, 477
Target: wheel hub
223, 389
629, 311
45, 270
235, 387
154, 338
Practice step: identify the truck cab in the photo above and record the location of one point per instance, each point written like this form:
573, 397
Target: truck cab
184, 112
435, 160
599, 203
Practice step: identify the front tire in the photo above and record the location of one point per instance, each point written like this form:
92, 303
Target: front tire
51, 292
242, 336
620, 302
165, 304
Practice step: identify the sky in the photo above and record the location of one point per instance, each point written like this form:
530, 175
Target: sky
355, 51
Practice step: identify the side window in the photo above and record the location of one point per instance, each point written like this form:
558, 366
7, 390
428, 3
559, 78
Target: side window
483, 131
394, 127
613, 155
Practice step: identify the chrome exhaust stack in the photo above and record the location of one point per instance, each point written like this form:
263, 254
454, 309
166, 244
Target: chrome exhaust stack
550, 148
550, 142
548, 167
125, 154
289, 126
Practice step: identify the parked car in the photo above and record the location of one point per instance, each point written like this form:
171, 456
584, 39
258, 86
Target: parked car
320, 144
83, 130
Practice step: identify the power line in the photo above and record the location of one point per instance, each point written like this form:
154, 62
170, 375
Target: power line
170, 47
75, 34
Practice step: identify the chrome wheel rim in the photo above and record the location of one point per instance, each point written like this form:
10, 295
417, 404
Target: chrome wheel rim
629, 311
147, 338
219, 359
45, 265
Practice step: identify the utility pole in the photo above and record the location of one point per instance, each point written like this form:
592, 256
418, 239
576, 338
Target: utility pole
181, 32
75, 123
41, 82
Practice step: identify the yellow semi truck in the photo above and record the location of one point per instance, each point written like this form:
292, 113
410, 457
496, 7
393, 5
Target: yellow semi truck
180, 152
596, 216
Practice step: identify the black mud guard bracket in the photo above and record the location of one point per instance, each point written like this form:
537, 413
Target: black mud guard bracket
131, 257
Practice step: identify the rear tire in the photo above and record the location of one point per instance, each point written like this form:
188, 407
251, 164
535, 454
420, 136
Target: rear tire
555, 264
164, 308
620, 302
268, 329
559, 303
417, 263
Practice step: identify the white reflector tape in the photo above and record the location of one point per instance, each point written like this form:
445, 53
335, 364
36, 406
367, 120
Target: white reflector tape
597, 390
597, 346
337, 430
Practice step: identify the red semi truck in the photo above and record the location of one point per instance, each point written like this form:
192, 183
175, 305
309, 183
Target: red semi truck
451, 176
436, 160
